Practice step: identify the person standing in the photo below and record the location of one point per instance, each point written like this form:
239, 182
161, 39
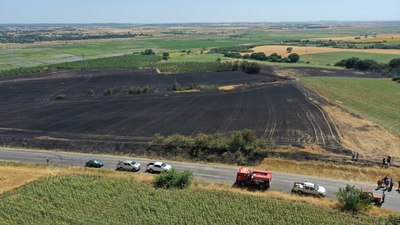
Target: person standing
389, 159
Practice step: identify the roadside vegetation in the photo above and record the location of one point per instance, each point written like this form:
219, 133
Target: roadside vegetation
238, 147
84, 199
173, 179
374, 99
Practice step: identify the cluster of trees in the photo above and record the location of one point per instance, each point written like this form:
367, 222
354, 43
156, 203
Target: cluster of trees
367, 64
237, 147
30, 37
233, 49
165, 55
274, 57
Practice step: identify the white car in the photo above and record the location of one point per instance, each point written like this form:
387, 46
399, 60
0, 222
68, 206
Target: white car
308, 188
128, 165
158, 167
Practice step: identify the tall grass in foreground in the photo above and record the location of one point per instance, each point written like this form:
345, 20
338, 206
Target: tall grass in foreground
84, 199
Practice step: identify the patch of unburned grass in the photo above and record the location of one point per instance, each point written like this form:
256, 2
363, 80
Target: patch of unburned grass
374, 99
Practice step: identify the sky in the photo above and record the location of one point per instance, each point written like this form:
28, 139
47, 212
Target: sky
189, 11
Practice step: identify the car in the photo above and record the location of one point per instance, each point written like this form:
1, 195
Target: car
308, 188
128, 165
94, 163
158, 167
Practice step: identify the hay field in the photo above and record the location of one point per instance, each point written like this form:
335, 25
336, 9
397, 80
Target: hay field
301, 50
377, 38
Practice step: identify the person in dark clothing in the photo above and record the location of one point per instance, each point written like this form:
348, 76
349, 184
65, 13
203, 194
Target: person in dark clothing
388, 160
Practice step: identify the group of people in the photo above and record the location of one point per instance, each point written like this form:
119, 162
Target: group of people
387, 184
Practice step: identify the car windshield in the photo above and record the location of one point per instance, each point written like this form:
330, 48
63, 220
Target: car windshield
316, 187
163, 164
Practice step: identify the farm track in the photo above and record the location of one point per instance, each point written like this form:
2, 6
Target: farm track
279, 112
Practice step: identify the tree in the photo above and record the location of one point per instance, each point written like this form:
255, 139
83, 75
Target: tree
353, 199
394, 63
165, 55
218, 60
366, 64
289, 49
293, 58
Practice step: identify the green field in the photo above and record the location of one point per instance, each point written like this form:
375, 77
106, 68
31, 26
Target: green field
375, 99
334, 57
91, 199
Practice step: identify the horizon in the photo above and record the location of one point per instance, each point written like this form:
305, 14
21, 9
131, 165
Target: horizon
207, 11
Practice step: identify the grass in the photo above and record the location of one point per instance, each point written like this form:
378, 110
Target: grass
85, 199
334, 57
377, 100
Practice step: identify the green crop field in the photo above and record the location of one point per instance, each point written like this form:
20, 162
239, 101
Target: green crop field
93, 199
334, 57
375, 99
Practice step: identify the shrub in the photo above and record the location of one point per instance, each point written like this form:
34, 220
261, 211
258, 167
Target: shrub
148, 52
61, 97
173, 179
353, 199
110, 91
396, 78
165, 55
90, 92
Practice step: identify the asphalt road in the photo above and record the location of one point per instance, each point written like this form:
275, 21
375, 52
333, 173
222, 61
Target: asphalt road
203, 172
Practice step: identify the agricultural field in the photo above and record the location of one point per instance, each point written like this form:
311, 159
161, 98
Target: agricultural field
374, 99
334, 57
278, 112
164, 39
83, 199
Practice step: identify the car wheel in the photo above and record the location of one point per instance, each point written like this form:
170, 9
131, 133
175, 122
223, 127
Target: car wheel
150, 171
299, 192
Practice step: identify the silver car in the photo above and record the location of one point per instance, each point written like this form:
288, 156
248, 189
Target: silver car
158, 167
128, 165
308, 188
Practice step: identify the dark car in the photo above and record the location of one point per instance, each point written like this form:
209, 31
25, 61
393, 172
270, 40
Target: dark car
94, 163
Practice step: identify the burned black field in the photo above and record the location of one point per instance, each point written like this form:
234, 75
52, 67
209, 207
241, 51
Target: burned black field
277, 111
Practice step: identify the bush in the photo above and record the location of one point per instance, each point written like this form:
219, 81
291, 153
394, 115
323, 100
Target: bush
110, 91
61, 97
353, 199
148, 52
165, 55
90, 92
173, 179
396, 78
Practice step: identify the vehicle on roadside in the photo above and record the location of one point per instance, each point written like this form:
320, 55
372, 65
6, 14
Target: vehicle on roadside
94, 163
308, 188
376, 199
157, 167
128, 165
260, 179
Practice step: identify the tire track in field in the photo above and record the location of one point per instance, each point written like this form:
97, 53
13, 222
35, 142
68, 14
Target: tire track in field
234, 114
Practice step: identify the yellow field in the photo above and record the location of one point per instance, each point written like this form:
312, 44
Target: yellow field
281, 50
378, 38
